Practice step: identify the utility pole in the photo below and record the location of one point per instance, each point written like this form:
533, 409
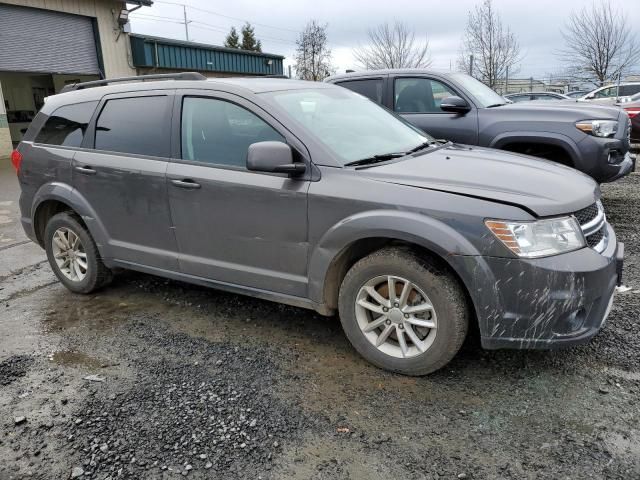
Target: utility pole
506, 81
531, 84
186, 22
471, 65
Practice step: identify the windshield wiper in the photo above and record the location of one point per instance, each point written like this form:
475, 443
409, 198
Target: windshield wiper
426, 144
376, 159
495, 105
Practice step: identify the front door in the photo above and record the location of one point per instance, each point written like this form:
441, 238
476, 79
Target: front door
232, 225
418, 100
121, 173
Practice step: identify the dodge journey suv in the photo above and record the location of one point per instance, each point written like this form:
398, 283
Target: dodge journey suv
312, 195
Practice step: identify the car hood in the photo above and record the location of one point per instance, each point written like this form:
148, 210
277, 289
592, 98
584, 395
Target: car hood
540, 186
580, 109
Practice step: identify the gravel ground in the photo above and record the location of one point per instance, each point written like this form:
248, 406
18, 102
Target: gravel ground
158, 379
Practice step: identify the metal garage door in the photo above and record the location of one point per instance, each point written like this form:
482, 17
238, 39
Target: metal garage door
35, 40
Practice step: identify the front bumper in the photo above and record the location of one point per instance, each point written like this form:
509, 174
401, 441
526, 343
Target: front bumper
543, 303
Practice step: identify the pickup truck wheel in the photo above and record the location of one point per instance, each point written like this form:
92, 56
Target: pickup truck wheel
73, 255
402, 313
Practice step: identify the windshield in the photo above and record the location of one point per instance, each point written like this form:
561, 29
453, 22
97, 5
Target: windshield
350, 125
484, 96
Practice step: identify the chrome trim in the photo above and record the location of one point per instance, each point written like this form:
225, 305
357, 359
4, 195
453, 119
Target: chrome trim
595, 224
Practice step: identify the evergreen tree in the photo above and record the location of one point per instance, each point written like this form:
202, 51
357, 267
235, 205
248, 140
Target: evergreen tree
232, 40
249, 41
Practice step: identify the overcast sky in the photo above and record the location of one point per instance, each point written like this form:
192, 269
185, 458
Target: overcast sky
277, 23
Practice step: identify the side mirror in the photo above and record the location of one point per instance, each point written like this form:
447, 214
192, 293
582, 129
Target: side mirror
273, 157
590, 96
455, 105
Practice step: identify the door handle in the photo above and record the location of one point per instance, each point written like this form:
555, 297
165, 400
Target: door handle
186, 183
85, 170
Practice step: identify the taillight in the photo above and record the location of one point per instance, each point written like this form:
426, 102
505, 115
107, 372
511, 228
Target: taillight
632, 112
16, 160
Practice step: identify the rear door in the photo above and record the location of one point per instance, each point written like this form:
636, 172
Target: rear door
372, 88
233, 225
418, 100
121, 173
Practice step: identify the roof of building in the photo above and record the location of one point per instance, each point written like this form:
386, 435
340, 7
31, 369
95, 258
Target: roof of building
183, 43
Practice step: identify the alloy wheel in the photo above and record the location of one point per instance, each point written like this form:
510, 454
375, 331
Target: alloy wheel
69, 254
396, 316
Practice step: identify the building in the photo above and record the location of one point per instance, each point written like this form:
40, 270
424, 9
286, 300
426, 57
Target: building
162, 55
46, 44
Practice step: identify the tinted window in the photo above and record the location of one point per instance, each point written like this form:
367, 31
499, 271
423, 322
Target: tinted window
370, 88
220, 132
66, 125
134, 125
627, 90
420, 95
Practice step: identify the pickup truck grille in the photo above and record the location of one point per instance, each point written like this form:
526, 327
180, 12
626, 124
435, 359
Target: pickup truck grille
593, 221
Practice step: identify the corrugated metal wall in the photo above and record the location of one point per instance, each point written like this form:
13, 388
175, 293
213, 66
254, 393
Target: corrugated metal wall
114, 47
156, 53
35, 40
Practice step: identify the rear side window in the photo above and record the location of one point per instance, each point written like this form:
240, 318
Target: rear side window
370, 88
628, 90
137, 125
66, 125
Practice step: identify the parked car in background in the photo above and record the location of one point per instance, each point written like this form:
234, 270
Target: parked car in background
612, 94
532, 96
457, 107
632, 107
309, 194
577, 93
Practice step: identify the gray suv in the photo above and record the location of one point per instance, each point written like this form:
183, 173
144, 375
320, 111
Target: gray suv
591, 138
311, 195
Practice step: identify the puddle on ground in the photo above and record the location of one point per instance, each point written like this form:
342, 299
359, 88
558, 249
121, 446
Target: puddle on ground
71, 358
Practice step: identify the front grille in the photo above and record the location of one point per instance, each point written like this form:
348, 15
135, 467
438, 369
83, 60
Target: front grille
587, 214
593, 223
595, 238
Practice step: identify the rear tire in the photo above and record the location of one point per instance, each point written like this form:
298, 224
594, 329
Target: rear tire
403, 312
73, 255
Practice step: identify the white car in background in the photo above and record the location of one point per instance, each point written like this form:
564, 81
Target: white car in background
612, 94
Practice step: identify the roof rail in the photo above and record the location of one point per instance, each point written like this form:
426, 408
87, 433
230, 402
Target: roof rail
140, 78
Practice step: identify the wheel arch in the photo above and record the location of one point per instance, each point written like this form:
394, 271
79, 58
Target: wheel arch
506, 141
53, 198
353, 239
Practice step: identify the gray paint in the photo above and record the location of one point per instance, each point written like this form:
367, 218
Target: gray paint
542, 123
36, 40
276, 237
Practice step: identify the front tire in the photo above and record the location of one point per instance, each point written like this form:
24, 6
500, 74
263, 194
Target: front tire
403, 312
73, 255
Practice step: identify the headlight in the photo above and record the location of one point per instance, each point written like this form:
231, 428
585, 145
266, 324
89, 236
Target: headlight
598, 128
540, 238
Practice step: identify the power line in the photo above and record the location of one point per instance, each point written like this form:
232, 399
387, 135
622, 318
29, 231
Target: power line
203, 25
226, 16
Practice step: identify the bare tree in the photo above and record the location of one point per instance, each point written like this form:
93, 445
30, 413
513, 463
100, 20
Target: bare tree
600, 45
393, 46
313, 57
489, 50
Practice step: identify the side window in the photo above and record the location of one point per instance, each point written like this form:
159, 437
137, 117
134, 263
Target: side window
134, 125
66, 125
606, 92
220, 132
628, 90
419, 95
370, 88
